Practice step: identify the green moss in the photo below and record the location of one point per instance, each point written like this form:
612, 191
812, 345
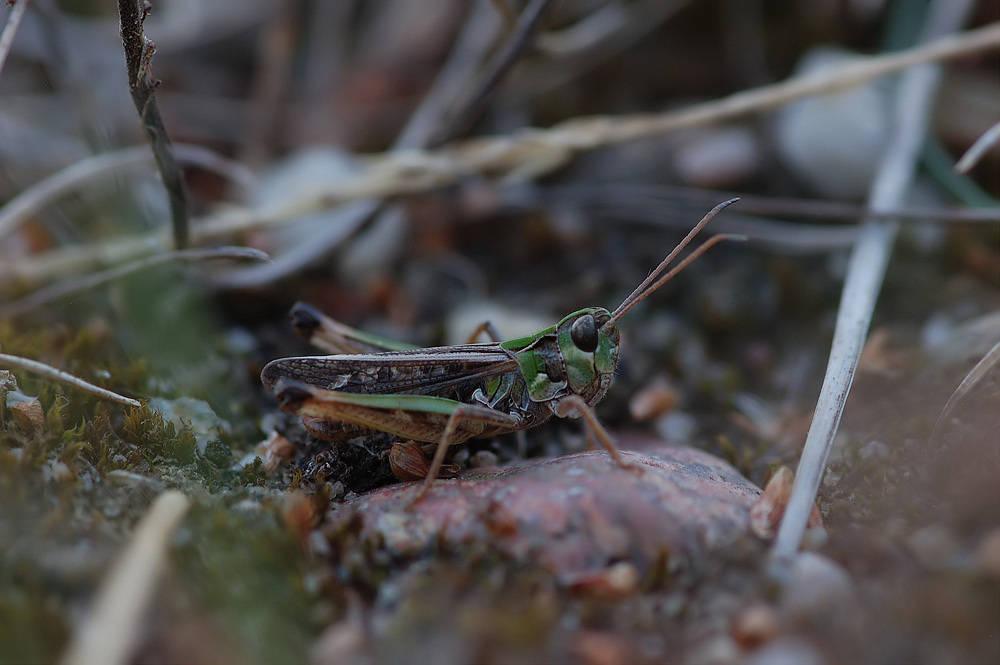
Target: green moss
218, 453
249, 571
728, 450
157, 437
254, 473
31, 630
54, 421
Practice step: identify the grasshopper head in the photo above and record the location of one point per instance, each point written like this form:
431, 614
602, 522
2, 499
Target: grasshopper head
588, 340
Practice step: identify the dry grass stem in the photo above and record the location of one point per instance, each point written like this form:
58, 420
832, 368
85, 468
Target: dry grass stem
975, 375
142, 86
17, 9
468, 51
102, 166
979, 148
608, 31
528, 153
631, 198
49, 372
866, 269
473, 103
108, 635
78, 285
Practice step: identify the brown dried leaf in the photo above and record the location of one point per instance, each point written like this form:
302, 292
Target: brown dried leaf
765, 515
277, 451
656, 399
616, 581
755, 625
29, 416
408, 461
594, 647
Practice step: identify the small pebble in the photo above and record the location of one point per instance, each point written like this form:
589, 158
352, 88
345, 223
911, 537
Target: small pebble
677, 427
718, 157
755, 625
834, 142
656, 399
987, 555
818, 588
482, 458
715, 650
787, 651
934, 546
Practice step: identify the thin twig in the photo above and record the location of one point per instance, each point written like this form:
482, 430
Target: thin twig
786, 237
471, 106
49, 372
17, 9
78, 285
275, 58
672, 206
979, 148
97, 167
621, 193
608, 31
142, 86
111, 631
975, 375
527, 153
512, 154
865, 272
469, 49
532, 152
565, 44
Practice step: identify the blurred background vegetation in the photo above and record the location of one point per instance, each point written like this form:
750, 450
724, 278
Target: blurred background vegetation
277, 108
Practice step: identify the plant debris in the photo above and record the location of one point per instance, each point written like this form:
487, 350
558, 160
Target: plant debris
582, 140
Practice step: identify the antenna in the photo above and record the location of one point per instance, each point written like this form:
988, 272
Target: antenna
651, 283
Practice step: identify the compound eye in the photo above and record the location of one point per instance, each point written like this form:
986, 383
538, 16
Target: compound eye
583, 332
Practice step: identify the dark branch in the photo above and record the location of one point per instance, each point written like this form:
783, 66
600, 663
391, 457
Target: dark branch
142, 86
468, 111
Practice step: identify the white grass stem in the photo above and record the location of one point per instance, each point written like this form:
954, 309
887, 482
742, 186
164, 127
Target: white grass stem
865, 272
17, 9
49, 372
98, 167
76, 285
975, 375
979, 147
109, 633
527, 153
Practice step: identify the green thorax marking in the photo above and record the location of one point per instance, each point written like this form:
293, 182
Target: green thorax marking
573, 356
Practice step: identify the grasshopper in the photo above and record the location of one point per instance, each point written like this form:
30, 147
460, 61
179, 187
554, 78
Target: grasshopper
448, 395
